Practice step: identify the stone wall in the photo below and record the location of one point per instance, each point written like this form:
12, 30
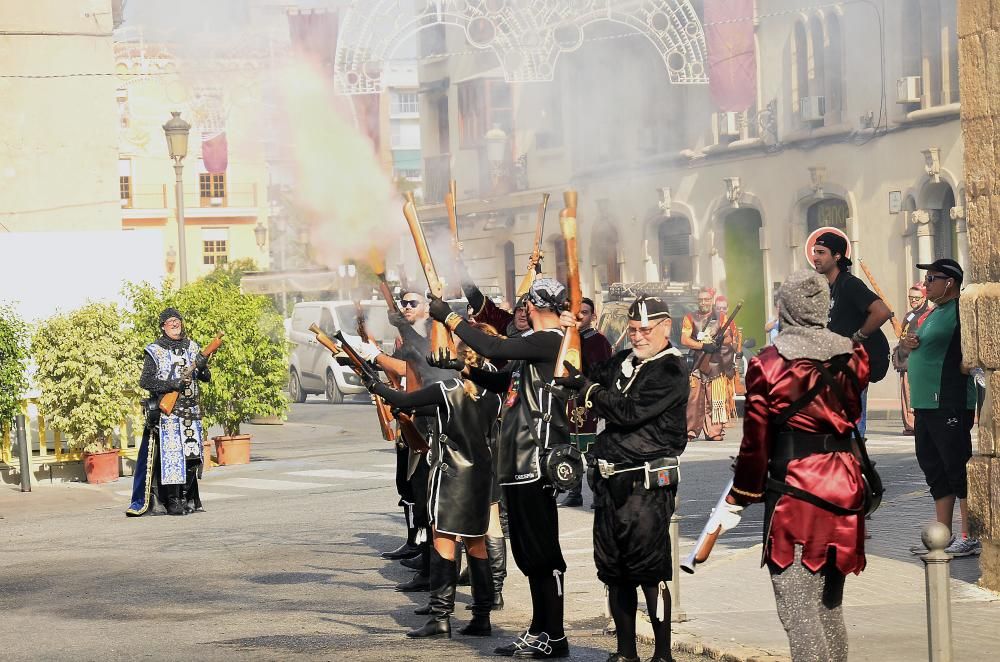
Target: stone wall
979, 59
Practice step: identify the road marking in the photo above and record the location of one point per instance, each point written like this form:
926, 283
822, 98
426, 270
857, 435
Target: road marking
343, 473
267, 484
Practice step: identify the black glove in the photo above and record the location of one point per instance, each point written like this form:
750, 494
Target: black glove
574, 379
397, 319
200, 361
370, 380
176, 384
709, 348
445, 361
439, 309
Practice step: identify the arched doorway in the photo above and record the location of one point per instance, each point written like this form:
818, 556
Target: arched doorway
832, 212
945, 236
607, 268
674, 251
744, 261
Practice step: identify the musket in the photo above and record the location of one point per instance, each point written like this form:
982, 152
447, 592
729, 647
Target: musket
382, 409
721, 335
896, 326
535, 261
709, 534
451, 204
441, 338
570, 349
169, 400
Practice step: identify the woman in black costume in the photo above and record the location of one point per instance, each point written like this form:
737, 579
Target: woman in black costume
460, 490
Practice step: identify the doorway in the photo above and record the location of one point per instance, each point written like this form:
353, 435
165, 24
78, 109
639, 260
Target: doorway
744, 262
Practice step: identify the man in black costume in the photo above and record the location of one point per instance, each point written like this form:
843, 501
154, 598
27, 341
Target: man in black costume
642, 396
170, 456
533, 421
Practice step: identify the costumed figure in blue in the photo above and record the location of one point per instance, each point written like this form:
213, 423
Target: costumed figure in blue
170, 457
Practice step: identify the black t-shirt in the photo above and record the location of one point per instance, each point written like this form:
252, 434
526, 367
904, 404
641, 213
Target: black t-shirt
849, 302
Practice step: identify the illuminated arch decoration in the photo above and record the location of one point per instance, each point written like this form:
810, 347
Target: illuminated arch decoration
527, 37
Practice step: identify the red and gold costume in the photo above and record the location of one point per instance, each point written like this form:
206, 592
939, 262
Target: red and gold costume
708, 407
773, 383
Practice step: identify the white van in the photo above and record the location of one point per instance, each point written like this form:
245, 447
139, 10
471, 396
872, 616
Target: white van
312, 369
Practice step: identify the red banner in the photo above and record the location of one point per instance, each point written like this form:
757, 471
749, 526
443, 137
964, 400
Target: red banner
732, 67
215, 153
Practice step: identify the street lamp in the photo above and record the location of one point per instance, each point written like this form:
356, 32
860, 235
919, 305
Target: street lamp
496, 152
260, 234
171, 260
177, 131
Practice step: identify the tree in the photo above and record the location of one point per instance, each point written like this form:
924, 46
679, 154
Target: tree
13, 362
88, 374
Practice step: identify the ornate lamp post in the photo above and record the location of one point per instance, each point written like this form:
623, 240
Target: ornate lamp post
260, 235
177, 131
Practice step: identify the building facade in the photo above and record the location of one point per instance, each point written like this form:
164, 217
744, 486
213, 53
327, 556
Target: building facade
59, 147
853, 123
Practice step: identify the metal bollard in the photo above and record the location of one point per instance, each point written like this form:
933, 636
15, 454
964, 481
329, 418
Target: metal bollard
936, 536
677, 615
23, 452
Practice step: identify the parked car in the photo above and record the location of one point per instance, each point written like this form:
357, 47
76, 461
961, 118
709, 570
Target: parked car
312, 369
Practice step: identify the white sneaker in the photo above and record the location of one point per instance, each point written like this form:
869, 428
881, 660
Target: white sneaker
964, 547
920, 550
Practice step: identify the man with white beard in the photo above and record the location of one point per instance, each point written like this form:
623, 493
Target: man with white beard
642, 395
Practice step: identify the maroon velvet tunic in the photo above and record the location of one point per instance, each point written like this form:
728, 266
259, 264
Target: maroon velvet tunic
773, 383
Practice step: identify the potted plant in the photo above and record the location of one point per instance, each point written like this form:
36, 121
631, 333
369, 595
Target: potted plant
13, 364
88, 374
248, 370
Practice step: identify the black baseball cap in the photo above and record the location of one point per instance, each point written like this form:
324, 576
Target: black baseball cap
836, 244
947, 266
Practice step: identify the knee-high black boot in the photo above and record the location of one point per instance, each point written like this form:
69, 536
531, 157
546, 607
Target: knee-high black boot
444, 576
408, 549
496, 551
421, 578
481, 578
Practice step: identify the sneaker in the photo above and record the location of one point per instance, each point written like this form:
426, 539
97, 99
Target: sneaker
964, 547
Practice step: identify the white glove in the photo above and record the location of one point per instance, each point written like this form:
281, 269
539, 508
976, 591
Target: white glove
730, 517
368, 351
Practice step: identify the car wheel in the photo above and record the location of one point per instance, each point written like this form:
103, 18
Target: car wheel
333, 394
295, 391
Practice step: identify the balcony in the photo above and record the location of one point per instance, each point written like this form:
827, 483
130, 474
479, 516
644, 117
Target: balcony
153, 202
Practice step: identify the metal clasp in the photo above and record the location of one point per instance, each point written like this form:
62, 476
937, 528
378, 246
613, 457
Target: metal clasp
606, 468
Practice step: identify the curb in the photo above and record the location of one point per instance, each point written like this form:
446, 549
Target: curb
687, 643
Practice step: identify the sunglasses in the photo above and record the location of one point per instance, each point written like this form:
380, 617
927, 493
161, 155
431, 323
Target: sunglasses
915, 298
409, 303
930, 278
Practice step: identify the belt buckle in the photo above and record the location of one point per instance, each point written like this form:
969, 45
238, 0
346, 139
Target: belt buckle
606, 468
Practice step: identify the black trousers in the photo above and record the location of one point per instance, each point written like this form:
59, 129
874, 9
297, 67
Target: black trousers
403, 487
632, 530
534, 528
418, 485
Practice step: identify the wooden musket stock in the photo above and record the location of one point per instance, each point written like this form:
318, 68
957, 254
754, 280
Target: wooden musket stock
382, 409
169, 400
570, 349
896, 326
535, 261
441, 337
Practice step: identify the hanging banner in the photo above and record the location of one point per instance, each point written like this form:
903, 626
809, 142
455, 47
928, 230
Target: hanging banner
215, 153
732, 66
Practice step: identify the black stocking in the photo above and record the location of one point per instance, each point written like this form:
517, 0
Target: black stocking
661, 624
624, 602
537, 606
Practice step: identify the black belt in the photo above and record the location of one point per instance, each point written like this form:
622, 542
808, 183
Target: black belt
794, 445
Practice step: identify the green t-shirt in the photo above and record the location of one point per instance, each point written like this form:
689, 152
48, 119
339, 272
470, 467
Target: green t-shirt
935, 375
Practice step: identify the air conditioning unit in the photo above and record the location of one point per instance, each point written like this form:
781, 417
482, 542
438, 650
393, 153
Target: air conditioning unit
908, 89
812, 109
216, 202
727, 125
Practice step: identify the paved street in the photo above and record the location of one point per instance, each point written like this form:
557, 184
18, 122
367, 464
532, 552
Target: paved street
284, 564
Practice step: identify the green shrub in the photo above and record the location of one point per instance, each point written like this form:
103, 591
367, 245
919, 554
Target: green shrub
87, 373
249, 371
13, 362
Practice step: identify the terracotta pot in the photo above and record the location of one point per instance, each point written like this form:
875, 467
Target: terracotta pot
101, 467
207, 446
232, 450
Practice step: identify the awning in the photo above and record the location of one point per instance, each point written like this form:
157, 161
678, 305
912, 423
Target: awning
276, 282
407, 159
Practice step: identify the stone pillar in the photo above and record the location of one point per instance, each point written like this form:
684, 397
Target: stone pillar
979, 75
923, 222
961, 234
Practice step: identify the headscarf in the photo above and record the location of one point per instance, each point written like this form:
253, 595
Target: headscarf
804, 308
168, 313
547, 293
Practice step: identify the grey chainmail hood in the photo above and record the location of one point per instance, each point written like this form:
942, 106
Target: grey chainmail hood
804, 309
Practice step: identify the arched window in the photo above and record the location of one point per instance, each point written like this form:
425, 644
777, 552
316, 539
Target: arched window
605, 255
828, 213
800, 65
676, 263
817, 57
834, 67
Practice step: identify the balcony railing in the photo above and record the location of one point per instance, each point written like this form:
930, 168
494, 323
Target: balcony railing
163, 196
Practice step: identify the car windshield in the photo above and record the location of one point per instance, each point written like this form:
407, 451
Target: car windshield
376, 323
